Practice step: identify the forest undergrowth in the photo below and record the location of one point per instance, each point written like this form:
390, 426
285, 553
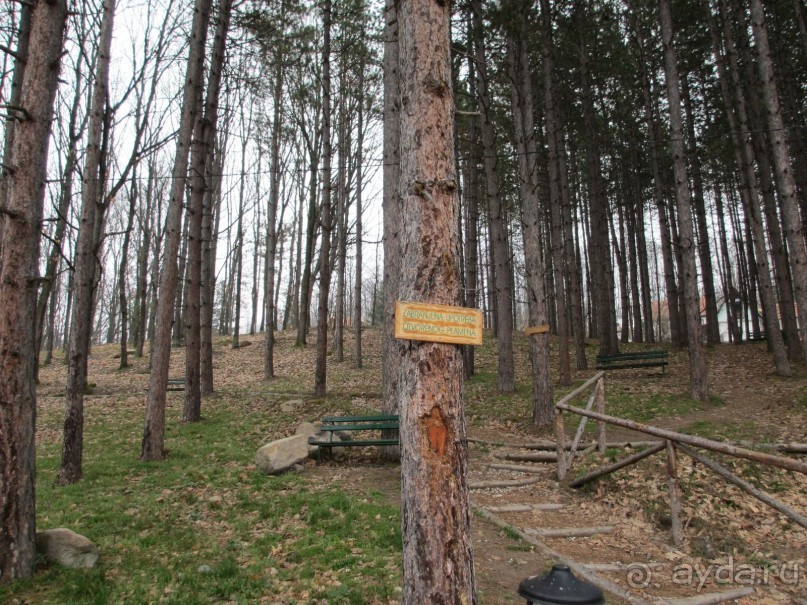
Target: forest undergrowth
205, 526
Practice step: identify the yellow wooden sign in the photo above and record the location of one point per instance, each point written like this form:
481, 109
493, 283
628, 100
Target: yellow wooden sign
438, 323
542, 329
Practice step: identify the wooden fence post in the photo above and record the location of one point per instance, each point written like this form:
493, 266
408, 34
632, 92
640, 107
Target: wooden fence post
675, 494
600, 403
560, 438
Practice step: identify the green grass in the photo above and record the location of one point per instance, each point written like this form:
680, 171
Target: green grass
158, 524
724, 431
644, 407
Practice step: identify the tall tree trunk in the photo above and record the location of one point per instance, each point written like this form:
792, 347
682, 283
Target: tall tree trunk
543, 410
320, 375
122, 276
434, 487
699, 205
785, 183
671, 286
24, 194
471, 193
343, 148
499, 247
555, 200
139, 319
391, 349
86, 261
271, 219
699, 387
205, 130
152, 446
211, 218
737, 115
750, 110
600, 266
357, 288
177, 329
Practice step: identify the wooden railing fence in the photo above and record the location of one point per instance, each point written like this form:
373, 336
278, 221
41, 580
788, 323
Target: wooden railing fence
670, 441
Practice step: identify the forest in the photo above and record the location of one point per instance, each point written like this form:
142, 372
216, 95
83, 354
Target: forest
624, 171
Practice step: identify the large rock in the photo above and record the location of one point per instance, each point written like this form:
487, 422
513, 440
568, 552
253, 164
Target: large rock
309, 429
67, 548
278, 456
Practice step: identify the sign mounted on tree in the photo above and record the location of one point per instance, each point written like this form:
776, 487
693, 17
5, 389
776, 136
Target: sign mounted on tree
438, 323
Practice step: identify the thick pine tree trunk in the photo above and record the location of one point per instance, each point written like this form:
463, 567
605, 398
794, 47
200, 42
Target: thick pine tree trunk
24, 194
391, 348
437, 558
699, 388
152, 446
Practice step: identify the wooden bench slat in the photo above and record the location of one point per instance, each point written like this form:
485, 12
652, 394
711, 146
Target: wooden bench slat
354, 419
378, 422
354, 442
632, 365
359, 427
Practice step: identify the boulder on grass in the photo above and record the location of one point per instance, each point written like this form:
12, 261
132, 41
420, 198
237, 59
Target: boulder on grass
279, 456
67, 548
309, 429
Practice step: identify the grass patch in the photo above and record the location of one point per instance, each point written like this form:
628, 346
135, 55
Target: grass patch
724, 431
643, 407
205, 526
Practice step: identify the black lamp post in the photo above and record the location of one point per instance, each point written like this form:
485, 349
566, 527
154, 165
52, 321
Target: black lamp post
559, 587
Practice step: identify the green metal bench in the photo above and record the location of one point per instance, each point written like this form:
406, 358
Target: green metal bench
356, 424
640, 359
176, 384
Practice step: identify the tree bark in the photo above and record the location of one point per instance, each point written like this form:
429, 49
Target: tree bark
391, 348
86, 263
738, 121
152, 446
205, 129
543, 410
437, 557
271, 219
23, 183
497, 213
785, 183
122, 276
320, 373
555, 200
699, 388
357, 287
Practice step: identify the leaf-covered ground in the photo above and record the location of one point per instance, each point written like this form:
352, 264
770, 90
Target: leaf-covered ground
206, 527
